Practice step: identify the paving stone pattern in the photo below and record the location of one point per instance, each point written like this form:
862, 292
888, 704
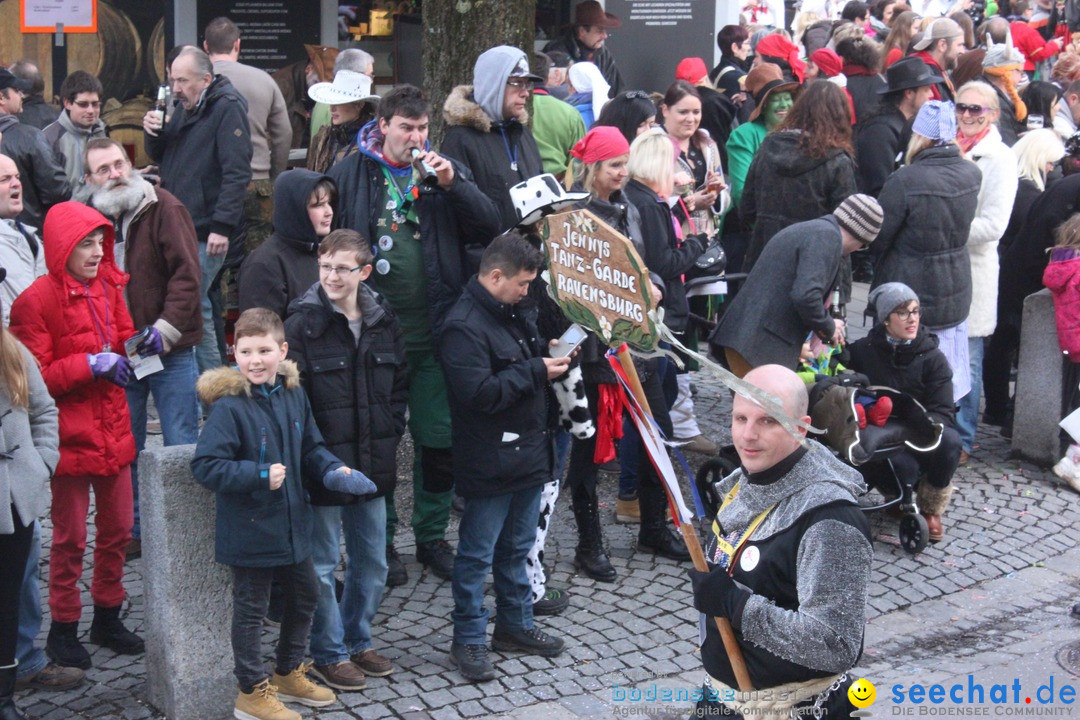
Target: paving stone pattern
1006, 516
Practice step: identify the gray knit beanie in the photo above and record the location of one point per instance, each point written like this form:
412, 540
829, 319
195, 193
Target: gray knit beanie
861, 216
886, 298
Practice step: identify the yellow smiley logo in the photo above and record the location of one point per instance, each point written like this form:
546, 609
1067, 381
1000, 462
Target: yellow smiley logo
862, 693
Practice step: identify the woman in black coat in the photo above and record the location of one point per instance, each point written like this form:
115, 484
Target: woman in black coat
802, 171
929, 204
900, 353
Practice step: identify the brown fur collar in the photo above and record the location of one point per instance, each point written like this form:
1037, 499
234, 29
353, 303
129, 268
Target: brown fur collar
227, 381
461, 109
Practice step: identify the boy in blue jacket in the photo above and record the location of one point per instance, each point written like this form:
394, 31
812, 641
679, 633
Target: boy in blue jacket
258, 437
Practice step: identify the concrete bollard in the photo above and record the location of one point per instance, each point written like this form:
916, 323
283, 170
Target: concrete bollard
1038, 384
187, 596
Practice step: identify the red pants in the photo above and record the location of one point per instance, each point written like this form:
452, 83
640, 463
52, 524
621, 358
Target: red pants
113, 520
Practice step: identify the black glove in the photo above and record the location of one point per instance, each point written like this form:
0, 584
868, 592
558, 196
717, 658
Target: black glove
718, 595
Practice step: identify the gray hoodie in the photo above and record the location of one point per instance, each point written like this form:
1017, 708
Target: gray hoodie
490, 73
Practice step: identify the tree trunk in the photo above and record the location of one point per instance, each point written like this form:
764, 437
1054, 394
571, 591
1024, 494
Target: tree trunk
457, 31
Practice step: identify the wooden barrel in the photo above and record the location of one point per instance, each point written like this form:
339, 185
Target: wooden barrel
125, 127
33, 46
113, 54
155, 54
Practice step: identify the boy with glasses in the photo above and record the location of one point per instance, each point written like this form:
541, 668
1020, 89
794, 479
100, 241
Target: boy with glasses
350, 350
79, 123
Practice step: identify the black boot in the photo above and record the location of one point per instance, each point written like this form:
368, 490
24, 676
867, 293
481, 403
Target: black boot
108, 631
63, 646
655, 536
8, 711
590, 558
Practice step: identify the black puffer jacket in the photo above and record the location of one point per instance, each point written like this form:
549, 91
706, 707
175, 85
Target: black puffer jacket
449, 220
929, 206
502, 414
205, 158
488, 148
725, 80
44, 182
918, 369
881, 138
358, 392
664, 254
285, 266
785, 186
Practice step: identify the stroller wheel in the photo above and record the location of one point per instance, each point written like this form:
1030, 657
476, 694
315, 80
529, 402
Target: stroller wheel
914, 534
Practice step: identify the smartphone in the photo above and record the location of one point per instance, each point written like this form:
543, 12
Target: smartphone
569, 342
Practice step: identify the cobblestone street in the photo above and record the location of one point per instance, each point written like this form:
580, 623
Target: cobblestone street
991, 598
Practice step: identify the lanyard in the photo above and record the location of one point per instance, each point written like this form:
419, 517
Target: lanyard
724, 545
512, 155
403, 199
104, 336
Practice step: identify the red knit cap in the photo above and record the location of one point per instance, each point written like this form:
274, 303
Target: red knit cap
603, 142
691, 70
827, 61
778, 46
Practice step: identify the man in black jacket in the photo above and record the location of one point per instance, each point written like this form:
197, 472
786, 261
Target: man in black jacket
418, 233
790, 559
44, 182
884, 134
487, 127
205, 158
584, 41
503, 420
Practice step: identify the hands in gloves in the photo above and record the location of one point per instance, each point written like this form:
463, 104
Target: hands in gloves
716, 594
114, 368
152, 344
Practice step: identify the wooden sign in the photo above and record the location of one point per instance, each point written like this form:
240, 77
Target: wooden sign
598, 279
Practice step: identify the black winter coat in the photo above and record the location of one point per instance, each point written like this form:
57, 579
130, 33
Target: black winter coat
725, 80
44, 182
250, 428
929, 206
602, 58
1023, 263
286, 264
879, 142
785, 186
864, 95
718, 118
38, 113
358, 392
450, 220
205, 158
664, 255
487, 148
918, 369
501, 409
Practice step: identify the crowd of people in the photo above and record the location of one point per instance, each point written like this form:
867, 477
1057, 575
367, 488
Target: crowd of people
389, 286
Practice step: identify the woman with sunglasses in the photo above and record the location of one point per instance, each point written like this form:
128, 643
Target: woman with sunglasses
977, 115
632, 113
900, 353
30, 448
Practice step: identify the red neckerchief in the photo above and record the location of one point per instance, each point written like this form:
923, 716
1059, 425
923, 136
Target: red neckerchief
968, 143
850, 70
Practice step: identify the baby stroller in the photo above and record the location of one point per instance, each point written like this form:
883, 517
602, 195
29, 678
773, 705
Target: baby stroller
870, 450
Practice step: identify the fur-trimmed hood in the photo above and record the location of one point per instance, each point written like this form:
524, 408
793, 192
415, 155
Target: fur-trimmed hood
229, 381
461, 108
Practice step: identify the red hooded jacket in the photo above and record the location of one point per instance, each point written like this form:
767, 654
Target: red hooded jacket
1062, 278
60, 320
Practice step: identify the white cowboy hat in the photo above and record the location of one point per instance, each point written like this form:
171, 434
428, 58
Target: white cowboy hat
541, 195
348, 87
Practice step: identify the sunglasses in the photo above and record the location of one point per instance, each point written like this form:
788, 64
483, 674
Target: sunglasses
520, 83
970, 109
638, 95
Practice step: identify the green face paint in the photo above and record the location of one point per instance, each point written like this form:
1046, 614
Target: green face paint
776, 109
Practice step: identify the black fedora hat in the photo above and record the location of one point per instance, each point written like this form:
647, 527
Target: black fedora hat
906, 73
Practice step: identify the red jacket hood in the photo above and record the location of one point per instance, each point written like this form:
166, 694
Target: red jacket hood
65, 225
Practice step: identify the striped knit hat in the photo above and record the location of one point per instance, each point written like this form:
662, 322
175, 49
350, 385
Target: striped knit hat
861, 216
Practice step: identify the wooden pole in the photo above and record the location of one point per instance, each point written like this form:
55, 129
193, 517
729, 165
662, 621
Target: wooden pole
731, 645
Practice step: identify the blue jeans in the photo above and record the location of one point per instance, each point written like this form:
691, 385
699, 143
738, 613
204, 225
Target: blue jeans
496, 534
174, 395
31, 658
339, 631
207, 352
967, 418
